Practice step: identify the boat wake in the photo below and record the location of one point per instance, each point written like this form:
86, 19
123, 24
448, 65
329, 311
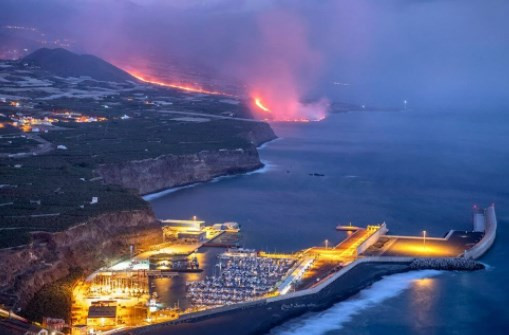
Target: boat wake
335, 317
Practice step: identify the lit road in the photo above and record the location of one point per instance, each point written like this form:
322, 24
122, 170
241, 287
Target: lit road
433, 247
345, 251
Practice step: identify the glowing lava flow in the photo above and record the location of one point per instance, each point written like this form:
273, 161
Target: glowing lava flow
259, 103
186, 88
272, 115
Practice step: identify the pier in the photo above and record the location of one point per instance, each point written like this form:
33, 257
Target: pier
251, 282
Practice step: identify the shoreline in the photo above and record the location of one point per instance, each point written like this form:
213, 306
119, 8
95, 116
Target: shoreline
374, 294
264, 168
269, 313
259, 316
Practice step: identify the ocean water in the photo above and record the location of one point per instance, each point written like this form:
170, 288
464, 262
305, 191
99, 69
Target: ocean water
415, 171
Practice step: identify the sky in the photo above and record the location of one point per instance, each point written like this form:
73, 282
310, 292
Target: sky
299, 55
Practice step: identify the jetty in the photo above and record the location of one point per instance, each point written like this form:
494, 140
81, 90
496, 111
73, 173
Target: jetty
264, 289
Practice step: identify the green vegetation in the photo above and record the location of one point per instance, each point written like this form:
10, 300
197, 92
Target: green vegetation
54, 300
16, 143
145, 137
52, 192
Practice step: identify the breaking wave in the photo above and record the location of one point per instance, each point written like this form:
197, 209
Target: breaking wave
336, 316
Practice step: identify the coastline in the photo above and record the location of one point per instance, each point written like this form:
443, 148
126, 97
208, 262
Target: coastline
266, 167
338, 314
259, 317
332, 289
262, 315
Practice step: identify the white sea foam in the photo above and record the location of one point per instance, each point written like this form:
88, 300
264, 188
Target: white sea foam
264, 145
267, 166
335, 317
156, 195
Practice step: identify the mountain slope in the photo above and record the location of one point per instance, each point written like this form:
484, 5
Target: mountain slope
64, 63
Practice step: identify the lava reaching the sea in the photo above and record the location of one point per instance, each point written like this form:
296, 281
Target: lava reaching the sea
288, 110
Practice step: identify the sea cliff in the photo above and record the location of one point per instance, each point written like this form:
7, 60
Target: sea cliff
166, 171
100, 239
171, 170
89, 245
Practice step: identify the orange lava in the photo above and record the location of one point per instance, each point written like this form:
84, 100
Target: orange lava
259, 103
187, 88
274, 117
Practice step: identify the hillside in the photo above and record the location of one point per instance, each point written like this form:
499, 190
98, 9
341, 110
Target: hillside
64, 63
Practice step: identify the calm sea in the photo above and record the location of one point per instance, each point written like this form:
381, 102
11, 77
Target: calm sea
415, 171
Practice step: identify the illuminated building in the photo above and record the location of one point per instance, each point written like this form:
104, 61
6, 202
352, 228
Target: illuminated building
102, 314
192, 236
174, 262
185, 229
226, 226
184, 225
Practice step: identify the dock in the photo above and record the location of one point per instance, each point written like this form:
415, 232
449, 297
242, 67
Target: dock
347, 227
250, 281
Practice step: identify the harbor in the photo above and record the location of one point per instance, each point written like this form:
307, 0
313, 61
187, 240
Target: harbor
184, 280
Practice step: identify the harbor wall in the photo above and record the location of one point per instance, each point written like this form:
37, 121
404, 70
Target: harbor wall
255, 317
259, 316
372, 239
490, 233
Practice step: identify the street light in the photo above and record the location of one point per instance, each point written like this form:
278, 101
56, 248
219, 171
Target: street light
424, 238
326, 244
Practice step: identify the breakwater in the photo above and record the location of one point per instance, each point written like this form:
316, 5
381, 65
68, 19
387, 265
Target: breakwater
490, 234
259, 316
450, 264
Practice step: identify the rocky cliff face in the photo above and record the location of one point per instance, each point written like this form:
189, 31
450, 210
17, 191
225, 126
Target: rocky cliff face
166, 171
260, 133
101, 239
150, 175
89, 245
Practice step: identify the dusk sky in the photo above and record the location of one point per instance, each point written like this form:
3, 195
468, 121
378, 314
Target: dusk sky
446, 53
254, 167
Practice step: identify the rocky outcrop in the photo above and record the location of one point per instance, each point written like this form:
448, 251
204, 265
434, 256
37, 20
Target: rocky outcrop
89, 245
166, 171
448, 263
259, 133
104, 238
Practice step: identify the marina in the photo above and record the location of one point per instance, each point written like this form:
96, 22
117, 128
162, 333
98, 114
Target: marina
186, 280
